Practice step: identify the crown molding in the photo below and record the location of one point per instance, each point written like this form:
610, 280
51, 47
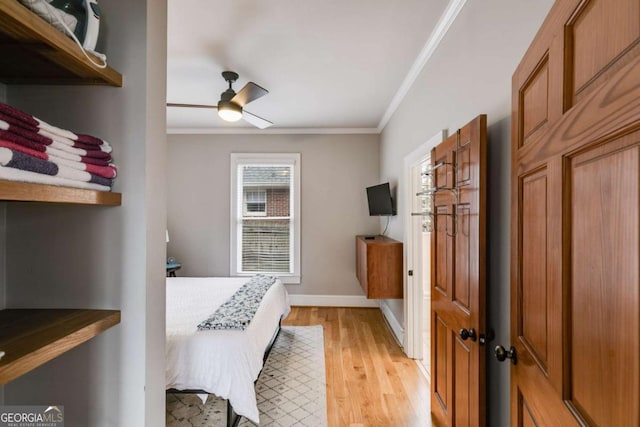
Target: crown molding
444, 23
271, 131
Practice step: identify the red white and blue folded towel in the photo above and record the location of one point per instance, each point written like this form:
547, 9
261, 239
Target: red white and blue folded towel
28, 121
12, 174
108, 171
32, 150
46, 136
17, 160
39, 142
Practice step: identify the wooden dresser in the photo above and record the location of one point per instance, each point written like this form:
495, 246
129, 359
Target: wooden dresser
379, 266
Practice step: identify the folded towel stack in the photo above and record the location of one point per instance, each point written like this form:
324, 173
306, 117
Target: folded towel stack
32, 150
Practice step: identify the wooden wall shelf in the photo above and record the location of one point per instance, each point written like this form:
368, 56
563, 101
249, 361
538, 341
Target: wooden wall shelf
26, 192
33, 52
379, 266
31, 338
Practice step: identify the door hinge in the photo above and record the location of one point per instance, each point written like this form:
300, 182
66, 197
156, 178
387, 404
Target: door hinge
410, 272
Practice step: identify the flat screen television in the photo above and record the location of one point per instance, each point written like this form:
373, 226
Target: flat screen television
380, 201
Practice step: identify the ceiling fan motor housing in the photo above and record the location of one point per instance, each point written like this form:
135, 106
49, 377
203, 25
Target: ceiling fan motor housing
227, 95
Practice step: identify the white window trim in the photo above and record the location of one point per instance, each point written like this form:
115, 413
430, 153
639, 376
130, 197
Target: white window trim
237, 207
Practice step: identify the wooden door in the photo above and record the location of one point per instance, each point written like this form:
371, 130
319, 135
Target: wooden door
458, 278
575, 305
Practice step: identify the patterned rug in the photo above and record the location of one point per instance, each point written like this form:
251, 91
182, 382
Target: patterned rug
291, 389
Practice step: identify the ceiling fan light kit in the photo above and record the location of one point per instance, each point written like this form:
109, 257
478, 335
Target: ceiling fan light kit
231, 105
229, 111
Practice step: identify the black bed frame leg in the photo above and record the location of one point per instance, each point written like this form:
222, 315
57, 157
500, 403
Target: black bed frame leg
233, 419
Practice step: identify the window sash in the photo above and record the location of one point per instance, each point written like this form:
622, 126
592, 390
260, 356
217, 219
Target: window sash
266, 245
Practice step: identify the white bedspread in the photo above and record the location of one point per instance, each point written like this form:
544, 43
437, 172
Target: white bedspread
225, 363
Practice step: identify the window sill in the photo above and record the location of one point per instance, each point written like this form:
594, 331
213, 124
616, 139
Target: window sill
290, 280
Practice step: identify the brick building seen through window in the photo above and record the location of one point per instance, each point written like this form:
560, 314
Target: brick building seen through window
266, 201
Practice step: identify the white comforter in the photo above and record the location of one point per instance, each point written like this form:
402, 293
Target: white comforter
225, 363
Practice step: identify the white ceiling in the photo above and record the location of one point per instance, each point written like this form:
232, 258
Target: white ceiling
328, 64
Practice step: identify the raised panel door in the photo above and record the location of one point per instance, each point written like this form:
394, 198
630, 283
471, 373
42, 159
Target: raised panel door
458, 278
575, 285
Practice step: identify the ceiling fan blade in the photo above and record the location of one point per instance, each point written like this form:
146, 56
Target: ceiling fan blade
258, 122
250, 92
170, 104
251, 118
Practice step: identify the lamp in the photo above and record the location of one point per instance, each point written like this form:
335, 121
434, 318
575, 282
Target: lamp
229, 111
167, 235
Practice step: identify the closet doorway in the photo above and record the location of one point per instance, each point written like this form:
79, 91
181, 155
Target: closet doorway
418, 255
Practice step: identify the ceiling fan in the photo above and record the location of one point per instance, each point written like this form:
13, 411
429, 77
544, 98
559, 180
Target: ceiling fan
231, 105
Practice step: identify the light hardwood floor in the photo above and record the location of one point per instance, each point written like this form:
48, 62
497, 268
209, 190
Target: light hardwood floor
370, 382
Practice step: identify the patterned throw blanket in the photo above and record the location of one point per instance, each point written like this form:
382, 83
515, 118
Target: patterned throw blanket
237, 313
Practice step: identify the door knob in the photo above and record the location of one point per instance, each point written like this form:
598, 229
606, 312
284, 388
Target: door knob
467, 334
502, 354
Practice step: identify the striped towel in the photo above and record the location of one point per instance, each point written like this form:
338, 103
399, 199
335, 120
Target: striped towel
103, 171
35, 140
17, 160
34, 144
30, 122
12, 174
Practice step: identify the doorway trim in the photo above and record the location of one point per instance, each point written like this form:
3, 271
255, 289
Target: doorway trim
414, 291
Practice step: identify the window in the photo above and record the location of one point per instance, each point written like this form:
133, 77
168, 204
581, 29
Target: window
255, 202
265, 215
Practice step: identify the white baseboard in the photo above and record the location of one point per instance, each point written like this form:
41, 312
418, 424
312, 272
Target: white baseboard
395, 326
424, 371
333, 301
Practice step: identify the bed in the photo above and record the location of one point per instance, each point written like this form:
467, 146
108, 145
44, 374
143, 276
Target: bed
221, 362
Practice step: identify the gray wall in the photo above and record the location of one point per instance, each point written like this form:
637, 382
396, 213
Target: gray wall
470, 74
335, 169
102, 257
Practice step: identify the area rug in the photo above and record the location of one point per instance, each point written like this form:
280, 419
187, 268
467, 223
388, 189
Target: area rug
291, 389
